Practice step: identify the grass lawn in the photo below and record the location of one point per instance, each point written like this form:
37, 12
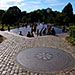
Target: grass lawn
6, 27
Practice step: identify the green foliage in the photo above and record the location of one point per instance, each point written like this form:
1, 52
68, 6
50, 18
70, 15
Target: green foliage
11, 16
24, 19
14, 16
8, 18
71, 40
72, 32
68, 9
1, 14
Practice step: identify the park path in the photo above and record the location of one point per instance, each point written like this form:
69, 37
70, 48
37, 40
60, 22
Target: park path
15, 43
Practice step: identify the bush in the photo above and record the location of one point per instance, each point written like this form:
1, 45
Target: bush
71, 40
72, 31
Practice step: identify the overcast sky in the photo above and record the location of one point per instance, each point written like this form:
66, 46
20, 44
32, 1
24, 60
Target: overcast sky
31, 5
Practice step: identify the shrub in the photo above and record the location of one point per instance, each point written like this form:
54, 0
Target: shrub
71, 40
72, 31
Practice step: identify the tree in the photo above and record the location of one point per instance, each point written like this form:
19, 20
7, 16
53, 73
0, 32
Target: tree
23, 17
8, 18
72, 31
12, 15
35, 16
1, 13
68, 10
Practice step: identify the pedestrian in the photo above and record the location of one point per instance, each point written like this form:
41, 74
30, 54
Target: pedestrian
53, 31
21, 33
8, 28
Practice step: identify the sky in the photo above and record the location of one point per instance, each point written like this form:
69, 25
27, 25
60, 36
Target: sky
31, 5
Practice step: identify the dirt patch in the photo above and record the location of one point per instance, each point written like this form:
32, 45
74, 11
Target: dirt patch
64, 39
2, 38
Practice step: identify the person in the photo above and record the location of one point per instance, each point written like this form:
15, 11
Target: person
28, 35
34, 27
32, 35
37, 32
44, 31
8, 28
20, 33
40, 32
49, 30
29, 28
45, 26
39, 28
63, 29
53, 31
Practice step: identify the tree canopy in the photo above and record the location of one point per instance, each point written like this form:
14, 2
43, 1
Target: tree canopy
14, 15
68, 10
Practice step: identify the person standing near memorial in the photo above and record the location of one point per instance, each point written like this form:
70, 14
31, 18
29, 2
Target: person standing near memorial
63, 29
21, 33
39, 28
49, 30
8, 28
53, 31
44, 30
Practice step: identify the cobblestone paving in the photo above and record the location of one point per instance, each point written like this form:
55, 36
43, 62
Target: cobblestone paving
15, 43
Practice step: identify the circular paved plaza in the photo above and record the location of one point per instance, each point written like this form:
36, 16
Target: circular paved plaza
45, 60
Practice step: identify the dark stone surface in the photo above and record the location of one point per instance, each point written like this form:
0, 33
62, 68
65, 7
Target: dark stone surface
45, 59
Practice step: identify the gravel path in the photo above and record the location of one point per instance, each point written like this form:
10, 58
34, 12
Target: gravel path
15, 43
